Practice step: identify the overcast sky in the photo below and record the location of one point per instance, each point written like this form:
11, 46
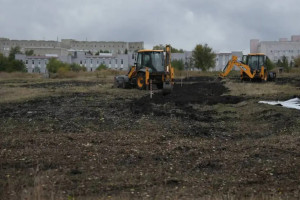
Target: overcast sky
225, 25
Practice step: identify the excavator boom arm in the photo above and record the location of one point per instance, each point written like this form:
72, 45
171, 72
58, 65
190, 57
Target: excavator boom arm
233, 62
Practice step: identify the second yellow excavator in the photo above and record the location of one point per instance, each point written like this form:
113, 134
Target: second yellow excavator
253, 67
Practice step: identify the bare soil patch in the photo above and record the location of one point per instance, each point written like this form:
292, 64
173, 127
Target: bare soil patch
197, 142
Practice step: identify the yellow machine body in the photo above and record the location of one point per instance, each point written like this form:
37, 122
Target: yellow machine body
252, 67
152, 65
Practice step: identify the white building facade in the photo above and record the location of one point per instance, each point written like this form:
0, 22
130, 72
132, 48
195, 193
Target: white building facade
61, 48
38, 64
275, 50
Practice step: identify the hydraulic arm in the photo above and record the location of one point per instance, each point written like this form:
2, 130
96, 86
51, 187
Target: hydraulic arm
233, 62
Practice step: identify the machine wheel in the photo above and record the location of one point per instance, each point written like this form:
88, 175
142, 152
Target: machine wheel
160, 86
123, 84
140, 81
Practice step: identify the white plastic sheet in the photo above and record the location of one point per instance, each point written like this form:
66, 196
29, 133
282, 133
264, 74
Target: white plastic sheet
292, 103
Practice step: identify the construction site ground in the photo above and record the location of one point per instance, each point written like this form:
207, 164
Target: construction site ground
83, 139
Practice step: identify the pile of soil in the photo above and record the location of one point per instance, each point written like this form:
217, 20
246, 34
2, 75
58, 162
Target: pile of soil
202, 92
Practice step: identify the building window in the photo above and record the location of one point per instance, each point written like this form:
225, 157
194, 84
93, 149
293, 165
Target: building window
26, 62
33, 62
121, 61
116, 61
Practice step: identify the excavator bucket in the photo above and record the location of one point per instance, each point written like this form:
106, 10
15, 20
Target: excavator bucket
167, 88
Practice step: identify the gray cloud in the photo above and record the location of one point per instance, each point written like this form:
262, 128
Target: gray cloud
223, 25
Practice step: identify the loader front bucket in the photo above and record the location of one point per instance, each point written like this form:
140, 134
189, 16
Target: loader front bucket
167, 88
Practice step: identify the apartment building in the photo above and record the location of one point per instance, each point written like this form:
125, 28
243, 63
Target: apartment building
275, 50
62, 48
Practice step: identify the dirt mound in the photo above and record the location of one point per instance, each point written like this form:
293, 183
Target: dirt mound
208, 93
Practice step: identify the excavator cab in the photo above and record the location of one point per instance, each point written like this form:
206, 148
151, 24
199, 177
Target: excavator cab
255, 61
154, 60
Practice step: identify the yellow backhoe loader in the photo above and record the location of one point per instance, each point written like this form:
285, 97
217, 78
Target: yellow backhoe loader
253, 67
154, 65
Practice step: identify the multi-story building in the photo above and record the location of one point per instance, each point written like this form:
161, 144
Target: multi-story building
91, 62
42, 47
101, 46
38, 64
34, 64
275, 50
86, 53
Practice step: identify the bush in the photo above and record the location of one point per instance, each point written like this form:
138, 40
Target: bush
101, 67
178, 64
11, 65
53, 65
76, 67
297, 61
269, 64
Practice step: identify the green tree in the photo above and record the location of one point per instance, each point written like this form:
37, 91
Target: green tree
174, 50
4, 62
13, 51
178, 64
29, 52
76, 67
105, 51
279, 63
17, 66
101, 67
203, 57
54, 64
269, 64
13, 65
162, 47
159, 47
285, 64
297, 61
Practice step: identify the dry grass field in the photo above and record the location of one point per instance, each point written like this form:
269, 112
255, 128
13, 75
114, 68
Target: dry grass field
80, 138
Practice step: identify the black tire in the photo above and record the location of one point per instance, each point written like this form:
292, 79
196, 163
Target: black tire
160, 86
